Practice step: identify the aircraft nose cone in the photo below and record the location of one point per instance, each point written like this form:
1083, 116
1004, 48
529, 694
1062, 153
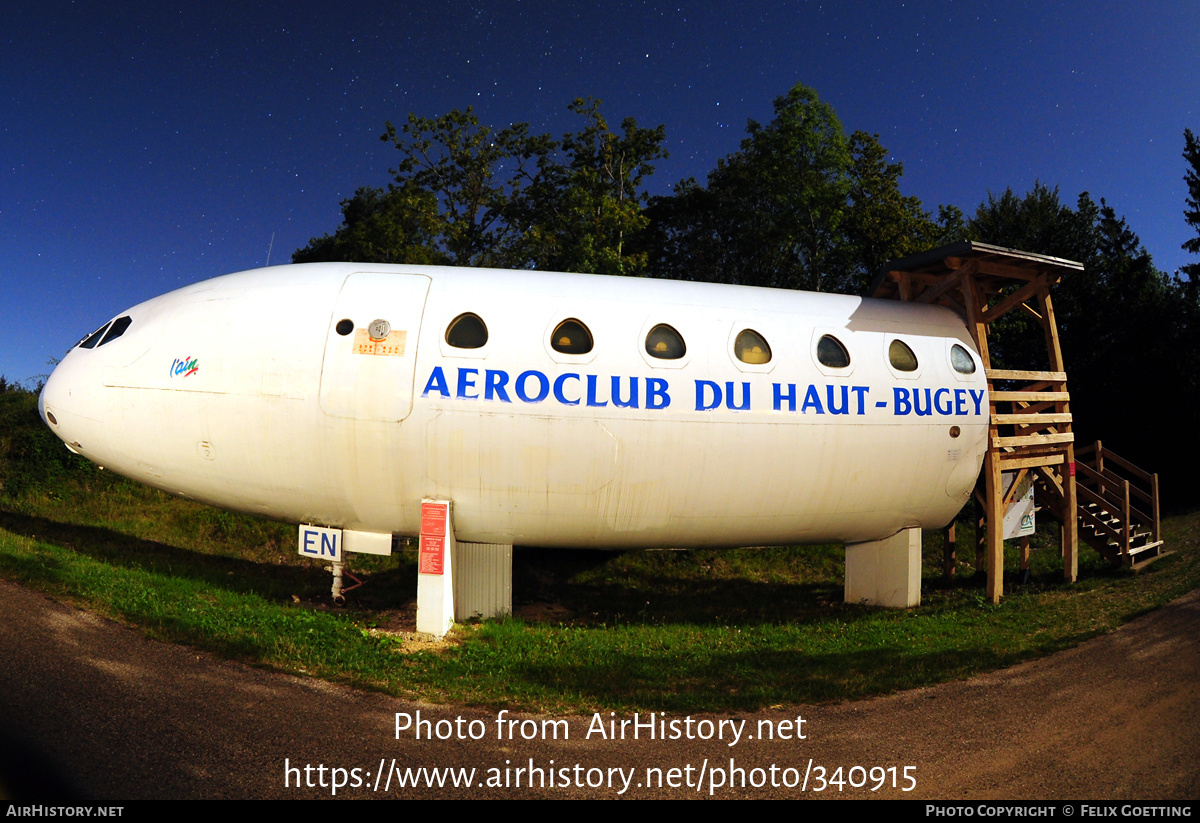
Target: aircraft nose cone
47, 400
60, 407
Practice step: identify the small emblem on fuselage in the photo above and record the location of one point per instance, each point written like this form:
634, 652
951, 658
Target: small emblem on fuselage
185, 366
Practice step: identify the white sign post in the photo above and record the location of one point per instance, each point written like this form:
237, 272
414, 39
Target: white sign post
435, 572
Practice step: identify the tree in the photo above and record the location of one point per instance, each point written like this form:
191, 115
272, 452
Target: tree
881, 223
1118, 281
465, 194
1037, 222
475, 175
800, 205
453, 199
588, 205
400, 225
772, 212
1191, 214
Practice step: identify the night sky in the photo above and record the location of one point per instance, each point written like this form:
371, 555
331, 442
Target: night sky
145, 146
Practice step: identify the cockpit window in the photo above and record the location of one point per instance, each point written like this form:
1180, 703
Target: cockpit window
467, 331
117, 329
92, 339
571, 337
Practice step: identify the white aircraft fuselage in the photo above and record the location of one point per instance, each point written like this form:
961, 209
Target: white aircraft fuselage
338, 394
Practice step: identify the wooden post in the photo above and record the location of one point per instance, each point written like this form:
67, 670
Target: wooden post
1125, 515
1023, 577
1157, 517
981, 522
1070, 514
990, 539
995, 527
1069, 536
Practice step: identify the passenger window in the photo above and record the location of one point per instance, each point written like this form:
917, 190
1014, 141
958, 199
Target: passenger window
467, 331
665, 343
961, 360
571, 337
117, 329
831, 353
750, 347
901, 356
92, 339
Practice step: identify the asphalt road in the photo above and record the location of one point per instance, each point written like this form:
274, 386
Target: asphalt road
90, 710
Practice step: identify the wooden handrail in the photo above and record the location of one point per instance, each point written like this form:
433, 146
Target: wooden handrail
1157, 513
1107, 478
1125, 521
1129, 467
1107, 475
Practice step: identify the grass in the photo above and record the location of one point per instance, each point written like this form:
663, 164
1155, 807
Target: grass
680, 631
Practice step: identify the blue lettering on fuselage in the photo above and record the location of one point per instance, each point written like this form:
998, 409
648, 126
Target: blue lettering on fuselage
926, 402
595, 391
569, 389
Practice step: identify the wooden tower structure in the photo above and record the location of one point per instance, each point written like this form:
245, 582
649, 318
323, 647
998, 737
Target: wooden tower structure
1029, 431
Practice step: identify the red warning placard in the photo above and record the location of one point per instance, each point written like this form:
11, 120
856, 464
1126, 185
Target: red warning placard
433, 550
433, 519
433, 538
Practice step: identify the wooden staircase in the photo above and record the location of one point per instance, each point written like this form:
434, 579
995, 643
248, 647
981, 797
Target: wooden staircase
1096, 496
1118, 507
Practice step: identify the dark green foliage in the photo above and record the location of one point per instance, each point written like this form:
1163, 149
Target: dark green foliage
1191, 214
584, 214
399, 225
465, 194
801, 205
32, 459
475, 177
771, 212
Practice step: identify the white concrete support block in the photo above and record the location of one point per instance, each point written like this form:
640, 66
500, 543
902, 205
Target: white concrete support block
435, 571
482, 580
885, 572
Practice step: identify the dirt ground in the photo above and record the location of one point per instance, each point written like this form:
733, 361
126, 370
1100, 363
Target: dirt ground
94, 711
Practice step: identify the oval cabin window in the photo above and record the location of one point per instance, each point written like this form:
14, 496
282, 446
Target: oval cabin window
571, 337
961, 360
901, 356
831, 353
467, 331
665, 343
750, 347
